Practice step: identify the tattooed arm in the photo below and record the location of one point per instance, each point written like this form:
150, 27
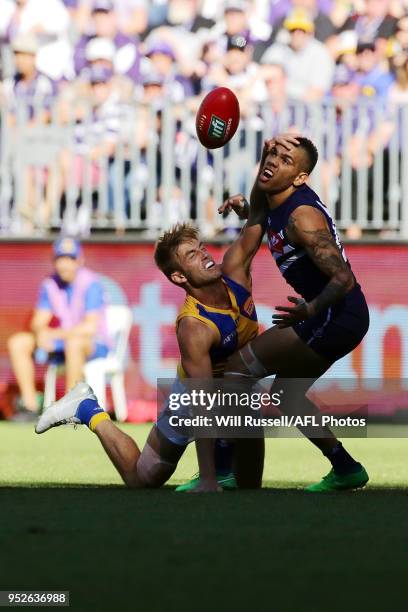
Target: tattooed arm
308, 228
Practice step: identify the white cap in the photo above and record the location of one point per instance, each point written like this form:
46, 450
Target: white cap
100, 48
347, 42
25, 43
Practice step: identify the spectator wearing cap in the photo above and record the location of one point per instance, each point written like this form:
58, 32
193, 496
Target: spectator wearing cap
238, 72
307, 61
101, 52
132, 16
345, 49
324, 29
185, 30
373, 79
374, 24
29, 89
241, 20
49, 22
360, 101
68, 324
28, 97
126, 52
96, 136
162, 61
152, 93
345, 86
144, 128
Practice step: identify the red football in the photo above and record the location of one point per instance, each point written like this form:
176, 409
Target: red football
217, 118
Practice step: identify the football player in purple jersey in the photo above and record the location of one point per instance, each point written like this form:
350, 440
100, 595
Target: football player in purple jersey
328, 317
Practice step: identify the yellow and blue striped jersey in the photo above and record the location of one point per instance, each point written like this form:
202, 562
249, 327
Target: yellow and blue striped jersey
235, 326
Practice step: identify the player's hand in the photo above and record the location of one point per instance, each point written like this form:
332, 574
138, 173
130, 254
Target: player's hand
287, 140
290, 315
238, 204
206, 486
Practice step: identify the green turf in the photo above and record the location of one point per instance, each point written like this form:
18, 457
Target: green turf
279, 549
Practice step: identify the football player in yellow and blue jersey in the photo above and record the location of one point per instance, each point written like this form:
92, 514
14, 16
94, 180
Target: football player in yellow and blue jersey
218, 317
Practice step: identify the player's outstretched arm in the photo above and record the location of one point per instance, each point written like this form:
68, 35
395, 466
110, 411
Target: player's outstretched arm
307, 227
238, 258
195, 340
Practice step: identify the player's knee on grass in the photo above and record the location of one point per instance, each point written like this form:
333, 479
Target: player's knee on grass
152, 470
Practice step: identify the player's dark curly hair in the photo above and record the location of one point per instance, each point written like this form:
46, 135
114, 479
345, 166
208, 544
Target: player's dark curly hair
311, 153
165, 253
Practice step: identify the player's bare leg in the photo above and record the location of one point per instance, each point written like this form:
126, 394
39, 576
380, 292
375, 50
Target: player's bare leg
121, 449
148, 468
281, 352
21, 347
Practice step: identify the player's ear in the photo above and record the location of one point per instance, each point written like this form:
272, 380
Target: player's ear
178, 278
300, 179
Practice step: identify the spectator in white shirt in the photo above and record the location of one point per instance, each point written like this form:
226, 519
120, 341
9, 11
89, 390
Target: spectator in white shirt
49, 21
307, 61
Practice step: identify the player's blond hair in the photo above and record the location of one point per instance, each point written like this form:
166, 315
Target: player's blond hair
165, 253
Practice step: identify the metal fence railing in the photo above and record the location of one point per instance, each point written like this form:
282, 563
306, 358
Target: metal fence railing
128, 166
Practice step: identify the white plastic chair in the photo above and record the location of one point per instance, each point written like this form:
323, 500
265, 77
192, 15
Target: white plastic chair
96, 371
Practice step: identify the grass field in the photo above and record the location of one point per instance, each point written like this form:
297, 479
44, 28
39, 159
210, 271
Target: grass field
67, 523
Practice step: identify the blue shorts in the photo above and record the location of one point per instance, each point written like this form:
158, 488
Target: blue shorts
58, 356
339, 329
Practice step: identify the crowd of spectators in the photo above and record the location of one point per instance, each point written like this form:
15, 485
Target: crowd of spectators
115, 53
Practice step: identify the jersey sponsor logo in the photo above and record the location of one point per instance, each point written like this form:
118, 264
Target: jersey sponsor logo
248, 307
275, 242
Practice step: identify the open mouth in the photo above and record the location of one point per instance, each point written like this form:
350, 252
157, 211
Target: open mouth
209, 265
266, 174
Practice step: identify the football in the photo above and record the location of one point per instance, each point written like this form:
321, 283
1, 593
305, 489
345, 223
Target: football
217, 118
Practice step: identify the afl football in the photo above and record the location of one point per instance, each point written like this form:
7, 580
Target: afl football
217, 118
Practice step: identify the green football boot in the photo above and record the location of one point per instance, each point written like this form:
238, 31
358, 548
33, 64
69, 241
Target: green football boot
338, 482
226, 481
